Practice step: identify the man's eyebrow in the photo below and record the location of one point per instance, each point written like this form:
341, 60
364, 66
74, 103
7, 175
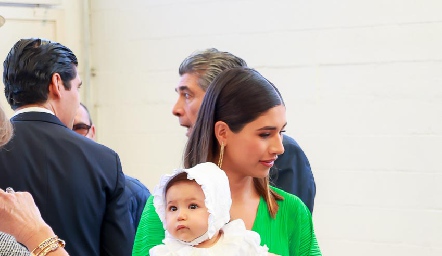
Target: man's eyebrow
181, 88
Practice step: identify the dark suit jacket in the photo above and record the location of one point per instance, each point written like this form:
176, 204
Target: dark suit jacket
77, 184
292, 173
136, 195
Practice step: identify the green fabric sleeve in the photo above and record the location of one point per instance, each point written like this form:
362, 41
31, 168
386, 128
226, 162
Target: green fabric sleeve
304, 233
298, 219
291, 232
150, 230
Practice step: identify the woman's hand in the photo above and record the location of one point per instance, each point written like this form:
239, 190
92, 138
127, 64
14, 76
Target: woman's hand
22, 219
20, 216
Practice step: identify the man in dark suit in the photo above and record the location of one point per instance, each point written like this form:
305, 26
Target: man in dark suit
292, 171
135, 193
77, 184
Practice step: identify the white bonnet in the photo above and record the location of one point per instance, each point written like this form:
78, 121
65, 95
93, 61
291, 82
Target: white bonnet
215, 186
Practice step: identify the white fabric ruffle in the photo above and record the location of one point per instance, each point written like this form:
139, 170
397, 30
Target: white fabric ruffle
235, 241
215, 186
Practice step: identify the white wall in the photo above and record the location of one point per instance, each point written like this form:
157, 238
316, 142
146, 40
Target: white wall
362, 83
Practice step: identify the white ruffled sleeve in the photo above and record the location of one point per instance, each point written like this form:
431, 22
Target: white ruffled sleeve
237, 240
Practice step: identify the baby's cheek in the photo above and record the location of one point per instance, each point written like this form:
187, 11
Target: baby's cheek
166, 220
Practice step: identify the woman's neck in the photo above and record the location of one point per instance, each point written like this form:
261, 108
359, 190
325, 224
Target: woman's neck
242, 187
245, 199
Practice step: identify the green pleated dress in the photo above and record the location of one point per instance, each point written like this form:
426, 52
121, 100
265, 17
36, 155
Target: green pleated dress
290, 233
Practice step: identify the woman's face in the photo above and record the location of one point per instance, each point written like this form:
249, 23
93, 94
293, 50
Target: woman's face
253, 150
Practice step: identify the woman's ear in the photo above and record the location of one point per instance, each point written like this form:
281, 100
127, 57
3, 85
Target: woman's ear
221, 132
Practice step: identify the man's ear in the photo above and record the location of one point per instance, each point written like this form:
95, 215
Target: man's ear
221, 132
55, 86
92, 131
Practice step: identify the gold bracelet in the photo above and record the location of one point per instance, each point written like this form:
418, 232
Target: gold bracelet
52, 247
44, 244
48, 245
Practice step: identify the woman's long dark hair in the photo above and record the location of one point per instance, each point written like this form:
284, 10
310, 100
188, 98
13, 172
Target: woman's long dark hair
237, 97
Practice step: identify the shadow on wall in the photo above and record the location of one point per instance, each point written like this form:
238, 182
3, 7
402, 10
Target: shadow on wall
2, 20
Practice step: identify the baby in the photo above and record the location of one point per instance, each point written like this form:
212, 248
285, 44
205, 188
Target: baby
194, 206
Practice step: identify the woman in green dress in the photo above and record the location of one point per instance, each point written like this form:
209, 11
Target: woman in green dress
240, 125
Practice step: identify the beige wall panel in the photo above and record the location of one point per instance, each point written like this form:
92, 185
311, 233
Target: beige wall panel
22, 22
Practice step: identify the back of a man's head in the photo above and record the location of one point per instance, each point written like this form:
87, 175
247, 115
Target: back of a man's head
83, 122
208, 64
86, 110
29, 67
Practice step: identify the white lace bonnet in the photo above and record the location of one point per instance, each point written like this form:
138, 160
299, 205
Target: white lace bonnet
215, 186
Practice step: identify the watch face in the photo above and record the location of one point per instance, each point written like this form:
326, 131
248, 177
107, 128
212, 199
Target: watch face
2, 20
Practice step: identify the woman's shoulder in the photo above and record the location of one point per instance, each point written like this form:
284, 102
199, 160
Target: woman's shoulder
287, 197
290, 202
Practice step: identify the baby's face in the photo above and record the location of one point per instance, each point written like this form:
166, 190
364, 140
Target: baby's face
186, 213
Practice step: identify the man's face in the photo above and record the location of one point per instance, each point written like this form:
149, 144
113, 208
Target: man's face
190, 97
69, 101
82, 125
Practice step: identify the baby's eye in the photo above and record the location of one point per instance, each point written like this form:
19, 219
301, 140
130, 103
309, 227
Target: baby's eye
193, 206
173, 208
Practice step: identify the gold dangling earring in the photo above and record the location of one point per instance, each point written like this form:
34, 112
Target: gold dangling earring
221, 155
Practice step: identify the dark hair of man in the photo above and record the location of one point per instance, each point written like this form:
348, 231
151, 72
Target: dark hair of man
237, 97
208, 64
29, 67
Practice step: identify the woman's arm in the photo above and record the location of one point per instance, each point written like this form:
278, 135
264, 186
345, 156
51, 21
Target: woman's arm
150, 230
303, 232
21, 219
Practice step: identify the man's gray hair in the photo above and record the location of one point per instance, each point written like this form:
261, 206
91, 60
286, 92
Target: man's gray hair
208, 64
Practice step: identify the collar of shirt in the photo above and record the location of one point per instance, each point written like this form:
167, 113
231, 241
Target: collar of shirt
33, 109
